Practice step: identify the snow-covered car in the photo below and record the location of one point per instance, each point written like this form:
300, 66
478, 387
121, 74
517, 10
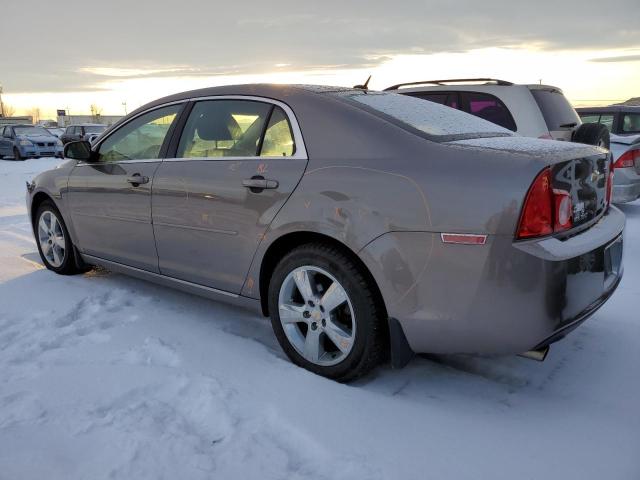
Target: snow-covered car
623, 121
55, 131
340, 214
539, 111
28, 141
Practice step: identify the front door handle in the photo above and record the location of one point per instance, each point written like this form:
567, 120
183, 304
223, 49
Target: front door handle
137, 179
257, 183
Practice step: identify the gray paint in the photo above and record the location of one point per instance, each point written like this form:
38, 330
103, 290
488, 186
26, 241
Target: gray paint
383, 192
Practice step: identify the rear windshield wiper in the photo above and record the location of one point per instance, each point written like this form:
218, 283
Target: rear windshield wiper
569, 125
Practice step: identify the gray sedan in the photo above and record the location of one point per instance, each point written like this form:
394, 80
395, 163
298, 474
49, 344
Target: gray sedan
367, 225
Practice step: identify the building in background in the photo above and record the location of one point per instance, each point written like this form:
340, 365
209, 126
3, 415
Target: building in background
28, 119
65, 120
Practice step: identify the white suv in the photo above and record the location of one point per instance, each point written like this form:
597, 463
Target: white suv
540, 111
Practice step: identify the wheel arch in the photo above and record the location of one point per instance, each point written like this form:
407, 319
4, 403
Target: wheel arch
37, 200
291, 240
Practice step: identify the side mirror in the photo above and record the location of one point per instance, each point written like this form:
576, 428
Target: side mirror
78, 151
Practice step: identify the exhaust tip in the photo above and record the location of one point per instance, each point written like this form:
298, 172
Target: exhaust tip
538, 354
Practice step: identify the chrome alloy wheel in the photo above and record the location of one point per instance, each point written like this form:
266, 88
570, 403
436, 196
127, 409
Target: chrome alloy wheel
51, 238
317, 316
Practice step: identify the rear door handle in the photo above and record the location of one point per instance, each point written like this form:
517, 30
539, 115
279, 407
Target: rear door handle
257, 183
137, 179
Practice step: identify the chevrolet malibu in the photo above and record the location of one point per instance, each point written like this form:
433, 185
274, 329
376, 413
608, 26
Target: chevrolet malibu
367, 225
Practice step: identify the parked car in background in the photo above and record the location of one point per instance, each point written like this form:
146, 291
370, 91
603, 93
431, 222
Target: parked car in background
85, 131
623, 122
539, 111
56, 131
28, 141
356, 249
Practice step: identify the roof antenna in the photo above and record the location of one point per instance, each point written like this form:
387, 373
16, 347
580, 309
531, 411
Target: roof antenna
364, 86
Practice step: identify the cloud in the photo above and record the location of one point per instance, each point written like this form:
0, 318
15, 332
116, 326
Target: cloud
77, 47
619, 58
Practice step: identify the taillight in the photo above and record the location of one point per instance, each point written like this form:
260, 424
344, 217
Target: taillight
564, 210
610, 182
546, 136
545, 210
627, 159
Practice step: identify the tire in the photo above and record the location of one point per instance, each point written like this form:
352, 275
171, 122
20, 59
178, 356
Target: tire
357, 323
592, 134
16, 154
58, 258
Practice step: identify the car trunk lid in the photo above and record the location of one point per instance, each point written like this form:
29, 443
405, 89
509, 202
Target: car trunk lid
578, 169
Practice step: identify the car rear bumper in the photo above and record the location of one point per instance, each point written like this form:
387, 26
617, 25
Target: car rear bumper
498, 298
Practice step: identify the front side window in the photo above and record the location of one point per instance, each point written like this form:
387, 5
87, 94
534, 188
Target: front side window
489, 108
141, 138
224, 128
631, 123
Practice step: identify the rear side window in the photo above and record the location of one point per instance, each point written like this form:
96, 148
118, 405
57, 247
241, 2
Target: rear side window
437, 122
557, 111
631, 123
605, 119
278, 138
489, 108
224, 128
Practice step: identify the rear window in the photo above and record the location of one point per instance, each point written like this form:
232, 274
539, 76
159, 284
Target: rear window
556, 109
437, 122
631, 123
450, 99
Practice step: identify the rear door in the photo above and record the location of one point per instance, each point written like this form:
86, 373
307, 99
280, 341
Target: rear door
110, 198
237, 161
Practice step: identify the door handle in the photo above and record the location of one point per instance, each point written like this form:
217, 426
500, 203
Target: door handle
137, 179
257, 183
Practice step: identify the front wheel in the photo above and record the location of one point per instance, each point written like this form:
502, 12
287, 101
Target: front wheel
53, 240
16, 154
325, 313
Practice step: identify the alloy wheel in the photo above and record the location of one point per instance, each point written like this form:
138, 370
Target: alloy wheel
51, 238
317, 315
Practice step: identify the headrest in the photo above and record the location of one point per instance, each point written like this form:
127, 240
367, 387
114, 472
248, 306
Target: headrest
219, 126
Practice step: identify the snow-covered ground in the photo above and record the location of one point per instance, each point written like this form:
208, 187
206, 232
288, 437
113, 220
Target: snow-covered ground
104, 376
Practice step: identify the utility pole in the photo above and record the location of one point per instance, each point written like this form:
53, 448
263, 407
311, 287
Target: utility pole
1, 104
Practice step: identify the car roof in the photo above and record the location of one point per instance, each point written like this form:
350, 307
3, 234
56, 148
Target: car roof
86, 125
610, 108
281, 92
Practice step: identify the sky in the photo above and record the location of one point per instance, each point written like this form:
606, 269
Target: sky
119, 54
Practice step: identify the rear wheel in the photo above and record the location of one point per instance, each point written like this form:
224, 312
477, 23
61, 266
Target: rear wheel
592, 134
53, 240
16, 154
325, 314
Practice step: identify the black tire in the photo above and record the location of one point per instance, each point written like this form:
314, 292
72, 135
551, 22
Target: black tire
369, 347
592, 134
68, 266
16, 154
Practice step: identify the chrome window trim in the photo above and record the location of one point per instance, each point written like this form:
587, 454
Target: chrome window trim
300, 152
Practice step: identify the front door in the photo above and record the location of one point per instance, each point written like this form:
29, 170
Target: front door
110, 198
236, 164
